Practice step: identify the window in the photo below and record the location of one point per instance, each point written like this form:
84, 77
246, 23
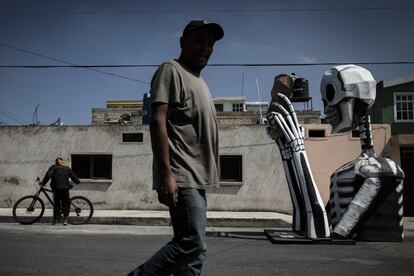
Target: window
237, 107
403, 107
316, 133
92, 166
231, 168
219, 107
355, 133
132, 137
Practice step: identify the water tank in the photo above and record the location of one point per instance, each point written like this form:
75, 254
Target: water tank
300, 88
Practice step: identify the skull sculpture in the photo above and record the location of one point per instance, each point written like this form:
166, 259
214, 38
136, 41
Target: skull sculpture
347, 91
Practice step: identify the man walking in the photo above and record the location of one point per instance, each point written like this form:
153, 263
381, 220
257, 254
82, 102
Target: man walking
184, 138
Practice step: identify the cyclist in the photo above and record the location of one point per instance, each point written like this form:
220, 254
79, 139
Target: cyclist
59, 173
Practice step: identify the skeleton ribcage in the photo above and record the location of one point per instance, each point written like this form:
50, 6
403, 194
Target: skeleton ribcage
344, 185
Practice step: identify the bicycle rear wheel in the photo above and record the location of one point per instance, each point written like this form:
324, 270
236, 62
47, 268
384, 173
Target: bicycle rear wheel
81, 210
28, 209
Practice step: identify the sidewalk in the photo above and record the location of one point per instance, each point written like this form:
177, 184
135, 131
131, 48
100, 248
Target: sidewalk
162, 218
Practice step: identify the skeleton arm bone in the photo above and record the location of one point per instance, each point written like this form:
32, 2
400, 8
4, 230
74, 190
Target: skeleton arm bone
358, 207
373, 191
301, 184
279, 131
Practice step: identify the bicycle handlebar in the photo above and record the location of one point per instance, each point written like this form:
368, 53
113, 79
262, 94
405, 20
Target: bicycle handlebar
39, 182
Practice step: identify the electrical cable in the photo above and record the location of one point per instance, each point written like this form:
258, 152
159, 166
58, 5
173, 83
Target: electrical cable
3, 123
281, 10
12, 116
86, 66
93, 66
5, 114
69, 63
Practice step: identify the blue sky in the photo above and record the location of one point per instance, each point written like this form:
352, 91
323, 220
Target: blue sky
147, 32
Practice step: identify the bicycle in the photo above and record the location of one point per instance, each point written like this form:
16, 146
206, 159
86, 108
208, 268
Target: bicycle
29, 209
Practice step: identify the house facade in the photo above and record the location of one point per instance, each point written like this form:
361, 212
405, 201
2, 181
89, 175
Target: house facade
114, 163
395, 106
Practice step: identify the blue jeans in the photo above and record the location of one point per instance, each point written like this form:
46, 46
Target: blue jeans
184, 255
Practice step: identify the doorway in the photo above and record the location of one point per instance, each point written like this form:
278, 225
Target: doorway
407, 164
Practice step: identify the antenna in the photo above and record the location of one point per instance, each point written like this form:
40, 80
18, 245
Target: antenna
58, 122
35, 120
262, 121
243, 92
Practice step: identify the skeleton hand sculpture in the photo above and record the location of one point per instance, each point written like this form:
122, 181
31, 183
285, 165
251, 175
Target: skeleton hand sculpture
309, 216
359, 187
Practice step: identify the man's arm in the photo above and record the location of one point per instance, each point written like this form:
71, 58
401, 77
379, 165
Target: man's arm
48, 175
74, 177
167, 193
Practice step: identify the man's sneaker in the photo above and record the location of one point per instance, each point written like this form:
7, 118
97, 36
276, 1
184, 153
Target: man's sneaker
55, 222
65, 222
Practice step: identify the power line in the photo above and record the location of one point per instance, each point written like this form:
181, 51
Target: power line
82, 66
213, 65
309, 64
11, 116
70, 64
213, 10
3, 124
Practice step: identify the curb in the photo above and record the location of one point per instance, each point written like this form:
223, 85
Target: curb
211, 222
161, 218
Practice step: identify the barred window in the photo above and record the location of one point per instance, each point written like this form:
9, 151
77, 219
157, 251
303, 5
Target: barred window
132, 137
231, 168
403, 108
92, 166
237, 107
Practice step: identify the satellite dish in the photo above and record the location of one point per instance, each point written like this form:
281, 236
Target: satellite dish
124, 119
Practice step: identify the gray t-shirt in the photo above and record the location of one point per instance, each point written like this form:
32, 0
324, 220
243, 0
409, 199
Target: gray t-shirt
192, 126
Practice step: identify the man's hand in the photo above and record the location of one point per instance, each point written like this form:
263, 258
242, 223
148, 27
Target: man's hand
168, 193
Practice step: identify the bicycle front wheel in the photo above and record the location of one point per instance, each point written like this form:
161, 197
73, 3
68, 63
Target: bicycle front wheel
81, 210
28, 209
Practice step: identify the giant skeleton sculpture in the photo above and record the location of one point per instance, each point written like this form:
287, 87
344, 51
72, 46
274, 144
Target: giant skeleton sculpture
358, 188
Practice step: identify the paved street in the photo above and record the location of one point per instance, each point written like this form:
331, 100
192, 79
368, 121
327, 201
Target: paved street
42, 249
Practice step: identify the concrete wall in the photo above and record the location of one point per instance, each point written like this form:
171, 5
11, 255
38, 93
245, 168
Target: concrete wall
328, 153
27, 152
393, 148
251, 117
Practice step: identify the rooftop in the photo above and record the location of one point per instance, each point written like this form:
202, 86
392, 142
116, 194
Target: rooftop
124, 104
395, 82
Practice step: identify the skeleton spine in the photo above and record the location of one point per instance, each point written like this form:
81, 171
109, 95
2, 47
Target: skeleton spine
365, 133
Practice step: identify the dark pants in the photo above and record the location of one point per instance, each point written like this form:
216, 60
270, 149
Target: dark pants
61, 201
184, 255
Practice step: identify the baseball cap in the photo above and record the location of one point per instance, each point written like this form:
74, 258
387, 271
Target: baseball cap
198, 24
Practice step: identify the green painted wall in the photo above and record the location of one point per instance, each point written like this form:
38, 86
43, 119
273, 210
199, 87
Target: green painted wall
385, 98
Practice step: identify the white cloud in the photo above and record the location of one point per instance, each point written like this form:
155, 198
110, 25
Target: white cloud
307, 59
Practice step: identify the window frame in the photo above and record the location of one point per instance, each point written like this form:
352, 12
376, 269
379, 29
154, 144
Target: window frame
401, 101
236, 180
312, 132
221, 109
92, 163
237, 107
140, 135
